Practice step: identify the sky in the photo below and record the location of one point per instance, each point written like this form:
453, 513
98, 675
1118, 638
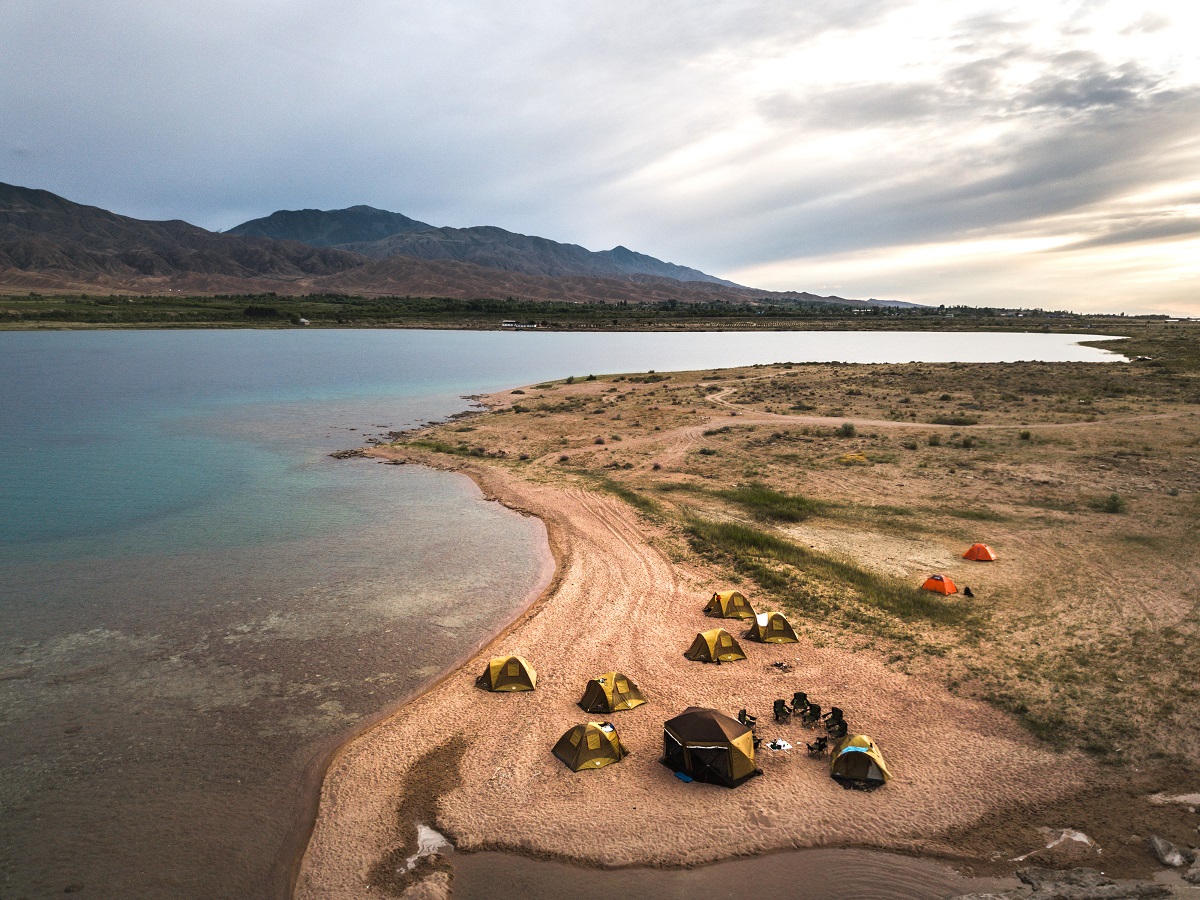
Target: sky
1036, 154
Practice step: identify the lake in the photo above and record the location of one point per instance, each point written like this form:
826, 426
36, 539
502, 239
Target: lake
197, 603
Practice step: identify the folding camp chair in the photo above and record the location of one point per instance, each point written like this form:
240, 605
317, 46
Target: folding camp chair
799, 703
813, 716
782, 713
837, 729
750, 722
819, 747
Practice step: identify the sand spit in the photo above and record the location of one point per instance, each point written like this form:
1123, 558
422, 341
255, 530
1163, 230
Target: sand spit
618, 602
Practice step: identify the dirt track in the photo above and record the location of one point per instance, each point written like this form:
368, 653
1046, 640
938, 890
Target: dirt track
619, 603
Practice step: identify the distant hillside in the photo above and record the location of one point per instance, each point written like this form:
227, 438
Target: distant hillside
328, 228
47, 234
380, 234
49, 244
496, 248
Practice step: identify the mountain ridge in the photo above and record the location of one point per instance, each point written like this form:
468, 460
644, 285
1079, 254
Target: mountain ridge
51, 244
486, 245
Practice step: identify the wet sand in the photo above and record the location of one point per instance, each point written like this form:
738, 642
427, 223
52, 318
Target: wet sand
618, 602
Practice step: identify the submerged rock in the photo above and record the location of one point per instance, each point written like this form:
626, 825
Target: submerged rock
1168, 854
1036, 876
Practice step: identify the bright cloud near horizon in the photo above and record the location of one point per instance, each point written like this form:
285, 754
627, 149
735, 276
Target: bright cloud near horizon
1039, 154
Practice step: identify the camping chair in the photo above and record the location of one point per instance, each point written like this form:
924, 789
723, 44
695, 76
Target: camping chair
813, 716
782, 713
837, 729
750, 722
799, 703
967, 592
835, 721
819, 747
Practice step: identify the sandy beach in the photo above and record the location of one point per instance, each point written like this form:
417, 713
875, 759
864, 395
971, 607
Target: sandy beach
620, 603
969, 777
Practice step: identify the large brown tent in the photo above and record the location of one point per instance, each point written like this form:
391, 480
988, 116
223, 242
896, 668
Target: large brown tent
855, 758
590, 746
611, 692
706, 745
715, 645
729, 605
507, 673
772, 628
980, 553
940, 584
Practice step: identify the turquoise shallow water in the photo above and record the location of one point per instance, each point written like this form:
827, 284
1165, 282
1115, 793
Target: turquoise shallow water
194, 598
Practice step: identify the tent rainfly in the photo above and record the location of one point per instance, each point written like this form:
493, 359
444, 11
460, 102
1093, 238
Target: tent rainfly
772, 628
507, 673
980, 553
708, 746
715, 645
940, 584
855, 758
729, 605
611, 692
590, 746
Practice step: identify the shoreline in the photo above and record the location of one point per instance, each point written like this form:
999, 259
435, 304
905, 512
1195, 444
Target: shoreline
313, 872
285, 870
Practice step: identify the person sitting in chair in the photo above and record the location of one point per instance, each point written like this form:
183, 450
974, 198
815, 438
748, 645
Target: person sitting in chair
967, 592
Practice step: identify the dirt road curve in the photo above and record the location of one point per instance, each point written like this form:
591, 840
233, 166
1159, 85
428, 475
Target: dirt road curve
621, 604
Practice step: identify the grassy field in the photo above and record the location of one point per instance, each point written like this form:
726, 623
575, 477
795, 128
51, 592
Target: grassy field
831, 491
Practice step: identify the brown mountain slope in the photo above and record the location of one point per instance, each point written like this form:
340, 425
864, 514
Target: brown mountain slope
49, 244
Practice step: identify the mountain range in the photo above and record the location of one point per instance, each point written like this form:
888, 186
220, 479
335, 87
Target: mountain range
49, 243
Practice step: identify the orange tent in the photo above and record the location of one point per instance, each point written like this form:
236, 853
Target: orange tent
980, 553
940, 583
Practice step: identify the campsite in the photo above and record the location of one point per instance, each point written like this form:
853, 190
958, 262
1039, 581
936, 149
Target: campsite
828, 494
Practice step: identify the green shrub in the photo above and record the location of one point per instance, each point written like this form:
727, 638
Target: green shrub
768, 504
847, 430
1113, 503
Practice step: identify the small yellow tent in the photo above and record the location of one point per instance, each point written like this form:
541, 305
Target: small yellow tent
716, 645
855, 758
772, 628
590, 746
507, 673
611, 692
729, 605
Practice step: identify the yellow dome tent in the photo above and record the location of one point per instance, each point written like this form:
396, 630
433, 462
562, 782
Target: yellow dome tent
772, 628
507, 673
590, 746
729, 605
855, 758
716, 645
611, 692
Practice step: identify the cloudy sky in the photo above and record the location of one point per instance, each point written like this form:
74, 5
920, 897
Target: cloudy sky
1033, 153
